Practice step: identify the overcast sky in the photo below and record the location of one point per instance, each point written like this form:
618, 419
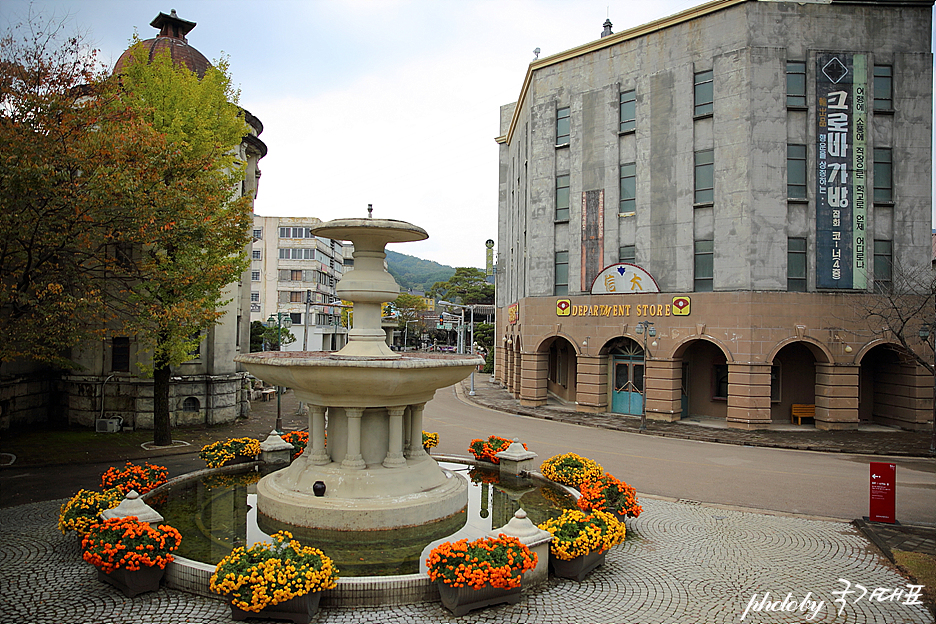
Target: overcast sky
386, 102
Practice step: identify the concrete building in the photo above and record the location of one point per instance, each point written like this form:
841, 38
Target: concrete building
290, 265
107, 389
694, 212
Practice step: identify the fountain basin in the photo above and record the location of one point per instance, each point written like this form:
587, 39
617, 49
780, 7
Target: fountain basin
324, 378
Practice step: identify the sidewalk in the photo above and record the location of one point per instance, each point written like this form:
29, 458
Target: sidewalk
867, 440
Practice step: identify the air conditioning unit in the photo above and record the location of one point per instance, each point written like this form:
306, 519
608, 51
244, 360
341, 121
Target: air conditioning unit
108, 425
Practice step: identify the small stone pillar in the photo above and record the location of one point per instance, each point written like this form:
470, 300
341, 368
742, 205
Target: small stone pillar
353, 459
395, 458
132, 505
416, 450
275, 451
515, 460
318, 455
535, 539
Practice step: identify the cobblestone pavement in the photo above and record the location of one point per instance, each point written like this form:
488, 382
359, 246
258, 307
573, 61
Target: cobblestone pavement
682, 563
868, 440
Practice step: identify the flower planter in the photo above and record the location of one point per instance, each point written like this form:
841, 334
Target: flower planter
133, 582
299, 609
461, 600
576, 569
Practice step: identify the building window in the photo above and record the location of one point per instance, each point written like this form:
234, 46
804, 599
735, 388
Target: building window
704, 177
296, 232
255, 276
254, 296
562, 273
196, 348
190, 404
562, 198
796, 171
295, 275
883, 175
720, 381
627, 253
628, 189
563, 125
796, 84
704, 93
297, 253
775, 383
258, 233
883, 88
628, 111
704, 265
256, 254
120, 354
296, 296
796, 264
883, 265
296, 318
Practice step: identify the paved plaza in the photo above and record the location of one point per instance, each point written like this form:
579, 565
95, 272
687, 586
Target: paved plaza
682, 563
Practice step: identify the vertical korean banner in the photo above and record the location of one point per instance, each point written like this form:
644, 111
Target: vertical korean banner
841, 119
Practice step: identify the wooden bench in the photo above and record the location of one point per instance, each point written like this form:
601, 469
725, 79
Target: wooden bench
267, 393
799, 411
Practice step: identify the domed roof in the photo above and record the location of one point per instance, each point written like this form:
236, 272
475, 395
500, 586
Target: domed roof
172, 31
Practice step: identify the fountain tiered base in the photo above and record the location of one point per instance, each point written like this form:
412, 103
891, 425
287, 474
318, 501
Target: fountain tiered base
369, 400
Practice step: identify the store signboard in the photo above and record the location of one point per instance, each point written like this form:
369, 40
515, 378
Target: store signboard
623, 278
841, 163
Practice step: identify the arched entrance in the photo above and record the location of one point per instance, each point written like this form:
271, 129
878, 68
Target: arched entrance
562, 370
627, 376
792, 380
704, 380
893, 389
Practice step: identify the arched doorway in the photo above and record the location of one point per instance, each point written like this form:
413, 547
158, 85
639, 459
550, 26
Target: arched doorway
627, 376
562, 370
893, 389
792, 380
704, 383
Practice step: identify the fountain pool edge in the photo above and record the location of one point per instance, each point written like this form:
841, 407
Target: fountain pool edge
193, 576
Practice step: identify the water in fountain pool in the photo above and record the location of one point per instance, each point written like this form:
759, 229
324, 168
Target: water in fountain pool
217, 513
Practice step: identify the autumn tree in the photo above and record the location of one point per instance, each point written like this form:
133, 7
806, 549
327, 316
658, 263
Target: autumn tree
187, 241
468, 286
70, 153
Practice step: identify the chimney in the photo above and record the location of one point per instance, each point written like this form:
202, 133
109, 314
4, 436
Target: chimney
607, 29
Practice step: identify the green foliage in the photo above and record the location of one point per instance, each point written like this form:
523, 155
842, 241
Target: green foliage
467, 286
261, 335
413, 273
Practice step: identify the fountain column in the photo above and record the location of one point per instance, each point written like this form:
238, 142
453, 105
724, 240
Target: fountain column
416, 450
353, 458
395, 457
318, 455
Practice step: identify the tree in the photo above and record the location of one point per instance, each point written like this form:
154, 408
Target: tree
904, 311
70, 154
263, 338
468, 286
409, 320
189, 237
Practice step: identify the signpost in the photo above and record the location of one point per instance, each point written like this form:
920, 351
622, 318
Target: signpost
883, 484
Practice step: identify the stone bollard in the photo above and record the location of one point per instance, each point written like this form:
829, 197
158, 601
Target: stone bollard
275, 451
132, 505
516, 460
536, 539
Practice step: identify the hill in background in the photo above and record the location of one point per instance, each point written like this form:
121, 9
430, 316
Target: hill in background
413, 273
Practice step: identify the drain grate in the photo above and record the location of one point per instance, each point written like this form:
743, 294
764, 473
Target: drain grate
687, 501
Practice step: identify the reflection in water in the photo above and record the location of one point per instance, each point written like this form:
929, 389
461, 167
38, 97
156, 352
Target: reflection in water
215, 515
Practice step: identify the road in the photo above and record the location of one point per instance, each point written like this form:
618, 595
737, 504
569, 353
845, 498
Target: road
831, 485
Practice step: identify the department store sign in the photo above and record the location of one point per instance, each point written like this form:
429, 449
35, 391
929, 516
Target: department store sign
841, 118
679, 307
623, 278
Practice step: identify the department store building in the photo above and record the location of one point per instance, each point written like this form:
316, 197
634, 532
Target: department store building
695, 214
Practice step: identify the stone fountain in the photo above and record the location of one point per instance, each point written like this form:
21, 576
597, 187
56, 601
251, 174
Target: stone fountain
370, 401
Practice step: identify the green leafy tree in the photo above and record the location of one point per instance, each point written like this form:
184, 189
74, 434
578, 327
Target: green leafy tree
188, 239
468, 286
261, 335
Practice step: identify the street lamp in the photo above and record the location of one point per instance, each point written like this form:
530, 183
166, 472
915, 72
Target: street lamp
280, 321
645, 328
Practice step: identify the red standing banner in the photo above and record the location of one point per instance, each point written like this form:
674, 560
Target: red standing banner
883, 485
